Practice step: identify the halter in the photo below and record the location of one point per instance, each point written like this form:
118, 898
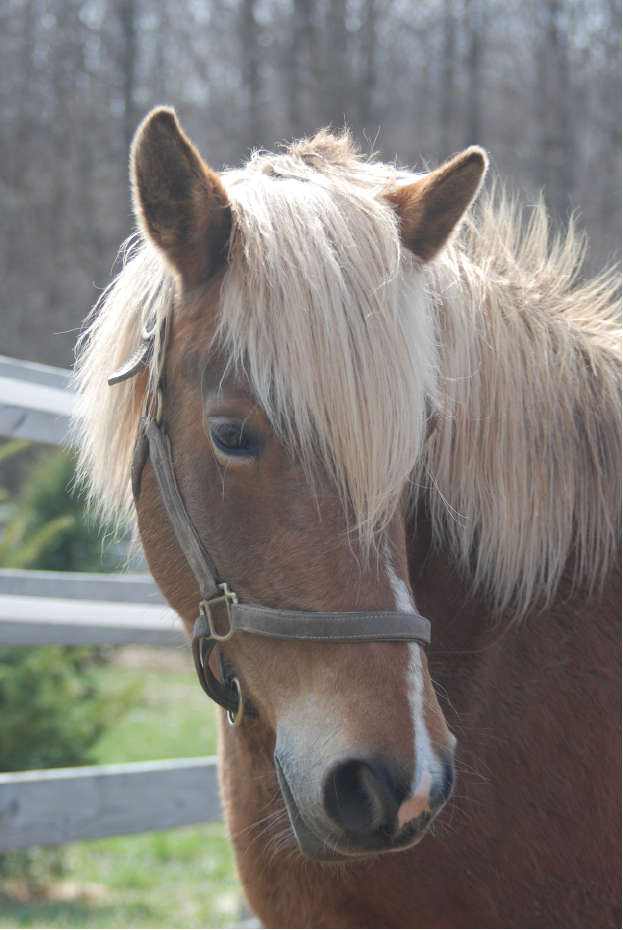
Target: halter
301, 626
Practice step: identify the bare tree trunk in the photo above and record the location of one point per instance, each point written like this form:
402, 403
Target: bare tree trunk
611, 198
300, 52
475, 21
126, 11
337, 64
556, 115
447, 110
368, 51
251, 73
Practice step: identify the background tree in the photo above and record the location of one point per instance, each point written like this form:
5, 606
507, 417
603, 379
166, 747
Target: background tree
537, 83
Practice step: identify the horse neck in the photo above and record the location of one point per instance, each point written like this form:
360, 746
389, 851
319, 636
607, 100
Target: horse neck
471, 640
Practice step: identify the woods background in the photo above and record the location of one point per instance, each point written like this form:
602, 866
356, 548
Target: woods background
537, 82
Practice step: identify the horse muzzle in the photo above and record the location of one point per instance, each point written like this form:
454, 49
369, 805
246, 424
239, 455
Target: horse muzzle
362, 808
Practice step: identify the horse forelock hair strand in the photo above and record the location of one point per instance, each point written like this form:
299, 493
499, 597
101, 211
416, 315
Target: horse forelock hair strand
343, 338
106, 418
327, 317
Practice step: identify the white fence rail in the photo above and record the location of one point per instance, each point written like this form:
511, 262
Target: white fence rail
43, 808
42, 608
36, 401
59, 805
75, 608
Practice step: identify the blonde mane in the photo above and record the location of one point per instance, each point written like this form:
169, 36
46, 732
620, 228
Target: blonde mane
525, 468
346, 343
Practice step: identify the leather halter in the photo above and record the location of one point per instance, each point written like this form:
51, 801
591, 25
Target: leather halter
298, 625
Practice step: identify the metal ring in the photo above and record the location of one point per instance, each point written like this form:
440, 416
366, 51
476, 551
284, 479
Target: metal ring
235, 720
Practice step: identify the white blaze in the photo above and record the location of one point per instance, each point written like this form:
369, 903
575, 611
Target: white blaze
404, 602
426, 765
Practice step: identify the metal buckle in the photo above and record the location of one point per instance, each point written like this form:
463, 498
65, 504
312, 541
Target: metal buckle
205, 609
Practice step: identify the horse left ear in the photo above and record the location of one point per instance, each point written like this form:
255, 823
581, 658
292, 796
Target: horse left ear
179, 203
433, 206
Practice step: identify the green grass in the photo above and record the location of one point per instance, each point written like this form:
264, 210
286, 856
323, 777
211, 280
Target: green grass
174, 720
175, 878
171, 878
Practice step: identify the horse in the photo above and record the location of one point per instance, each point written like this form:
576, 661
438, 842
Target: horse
362, 401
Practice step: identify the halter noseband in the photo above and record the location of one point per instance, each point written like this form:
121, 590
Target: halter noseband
298, 625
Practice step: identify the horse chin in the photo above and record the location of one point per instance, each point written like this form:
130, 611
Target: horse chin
328, 850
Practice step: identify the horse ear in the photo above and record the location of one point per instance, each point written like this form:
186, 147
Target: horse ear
179, 203
431, 208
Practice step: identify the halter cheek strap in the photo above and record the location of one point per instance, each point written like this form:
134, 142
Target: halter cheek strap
151, 441
295, 625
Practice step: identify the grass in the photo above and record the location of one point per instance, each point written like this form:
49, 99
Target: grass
174, 878
174, 720
169, 878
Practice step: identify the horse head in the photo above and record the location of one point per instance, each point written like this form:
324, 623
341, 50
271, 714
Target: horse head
295, 418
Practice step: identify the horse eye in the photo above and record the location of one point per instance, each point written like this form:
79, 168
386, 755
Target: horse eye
230, 437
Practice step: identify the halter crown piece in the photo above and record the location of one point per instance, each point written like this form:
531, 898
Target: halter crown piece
216, 598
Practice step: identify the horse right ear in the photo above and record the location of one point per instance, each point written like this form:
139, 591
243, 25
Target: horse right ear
180, 204
431, 208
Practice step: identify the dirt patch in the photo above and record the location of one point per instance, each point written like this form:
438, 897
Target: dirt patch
15, 893
158, 658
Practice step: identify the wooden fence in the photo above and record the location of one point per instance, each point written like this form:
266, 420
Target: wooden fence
75, 608
43, 808
41, 608
36, 401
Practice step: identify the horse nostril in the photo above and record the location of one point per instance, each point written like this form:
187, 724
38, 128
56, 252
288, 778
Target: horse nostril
361, 797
